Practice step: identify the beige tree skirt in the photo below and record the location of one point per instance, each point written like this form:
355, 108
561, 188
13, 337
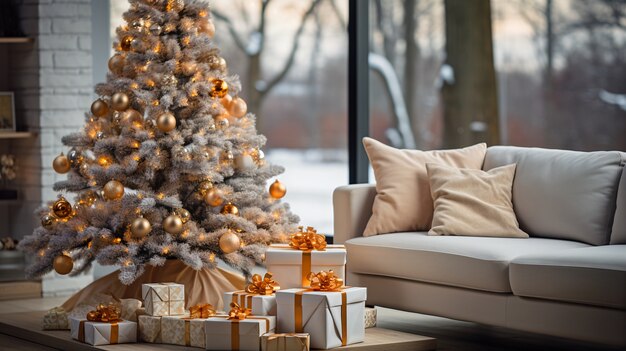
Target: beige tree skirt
201, 286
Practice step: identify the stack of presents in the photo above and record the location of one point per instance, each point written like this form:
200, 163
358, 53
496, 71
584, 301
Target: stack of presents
303, 303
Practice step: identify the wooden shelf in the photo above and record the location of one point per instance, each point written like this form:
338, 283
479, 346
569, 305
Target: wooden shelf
17, 135
16, 40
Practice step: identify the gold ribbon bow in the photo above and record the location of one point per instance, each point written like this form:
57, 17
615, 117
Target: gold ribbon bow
201, 311
262, 286
105, 313
325, 281
307, 240
237, 312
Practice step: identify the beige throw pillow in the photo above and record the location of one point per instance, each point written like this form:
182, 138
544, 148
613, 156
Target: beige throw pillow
403, 202
472, 202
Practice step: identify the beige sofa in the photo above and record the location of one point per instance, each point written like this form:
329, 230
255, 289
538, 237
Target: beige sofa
568, 279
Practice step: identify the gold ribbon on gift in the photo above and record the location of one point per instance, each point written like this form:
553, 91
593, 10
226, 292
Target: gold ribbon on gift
104, 314
236, 315
324, 282
203, 310
262, 286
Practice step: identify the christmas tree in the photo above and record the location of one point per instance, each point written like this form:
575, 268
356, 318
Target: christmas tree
169, 164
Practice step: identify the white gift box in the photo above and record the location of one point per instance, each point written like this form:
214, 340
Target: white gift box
290, 266
244, 335
99, 333
328, 316
183, 331
163, 299
261, 305
149, 328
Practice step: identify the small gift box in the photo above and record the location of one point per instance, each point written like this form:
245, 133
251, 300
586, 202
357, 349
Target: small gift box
259, 295
103, 327
332, 314
370, 317
164, 299
149, 328
237, 331
306, 252
56, 318
285, 342
187, 331
129, 309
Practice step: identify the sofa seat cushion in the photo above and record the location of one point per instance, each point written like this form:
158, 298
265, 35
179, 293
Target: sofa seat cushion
591, 275
480, 263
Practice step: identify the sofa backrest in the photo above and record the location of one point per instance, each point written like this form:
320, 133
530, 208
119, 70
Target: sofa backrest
562, 194
618, 235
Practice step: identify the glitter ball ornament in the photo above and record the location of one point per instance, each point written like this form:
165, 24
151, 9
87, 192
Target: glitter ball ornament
229, 242
126, 42
99, 108
238, 107
229, 208
47, 221
120, 101
204, 187
173, 224
137, 24
169, 79
61, 164
277, 190
116, 63
63, 264
184, 215
155, 29
219, 89
113, 190
62, 208
166, 122
140, 227
214, 197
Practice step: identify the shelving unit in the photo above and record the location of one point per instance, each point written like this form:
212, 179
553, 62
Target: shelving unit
17, 135
16, 40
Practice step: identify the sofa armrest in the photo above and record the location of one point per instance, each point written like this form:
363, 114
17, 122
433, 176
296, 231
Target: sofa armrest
352, 208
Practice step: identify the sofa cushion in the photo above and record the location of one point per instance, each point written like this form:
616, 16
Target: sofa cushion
618, 234
472, 202
562, 194
590, 275
469, 262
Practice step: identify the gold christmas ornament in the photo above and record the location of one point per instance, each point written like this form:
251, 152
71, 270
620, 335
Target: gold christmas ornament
120, 101
226, 101
62, 208
219, 89
140, 227
214, 197
207, 26
184, 215
173, 224
61, 164
237, 107
229, 242
47, 221
126, 43
63, 264
221, 64
188, 68
116, 63
277, 190
204, 187
222, 122
132, 118
99, 108
113, 190
175, 5
166, 122
229, 208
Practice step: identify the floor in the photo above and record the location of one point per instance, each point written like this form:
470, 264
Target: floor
451, 335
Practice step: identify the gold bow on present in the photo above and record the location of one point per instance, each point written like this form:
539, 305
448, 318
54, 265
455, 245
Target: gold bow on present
237, 312
325, 281
307, 240
105, 313
262, 286
201, 311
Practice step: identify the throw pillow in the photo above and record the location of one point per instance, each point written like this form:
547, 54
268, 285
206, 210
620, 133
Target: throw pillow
472, 202
403, 202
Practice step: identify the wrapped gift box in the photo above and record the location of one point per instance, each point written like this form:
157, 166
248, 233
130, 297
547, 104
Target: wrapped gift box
244, 335
55, 319
100, 333
332, 318
291, 266
149, 328
261, 305
370, 317
285, 342
183, 331
164, 299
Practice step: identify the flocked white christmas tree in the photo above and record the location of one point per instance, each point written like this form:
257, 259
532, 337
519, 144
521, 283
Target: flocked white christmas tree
169, 164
